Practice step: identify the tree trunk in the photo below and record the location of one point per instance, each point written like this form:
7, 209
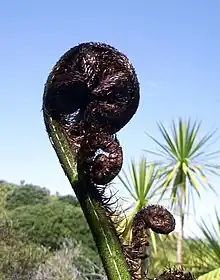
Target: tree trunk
180, 234
180, 242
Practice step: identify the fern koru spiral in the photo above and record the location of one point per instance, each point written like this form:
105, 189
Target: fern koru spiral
154, 217
93, 92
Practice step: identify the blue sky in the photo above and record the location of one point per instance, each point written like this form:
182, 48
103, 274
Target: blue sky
174, 46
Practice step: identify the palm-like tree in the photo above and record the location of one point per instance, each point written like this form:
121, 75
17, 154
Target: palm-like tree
140, 184
184, 167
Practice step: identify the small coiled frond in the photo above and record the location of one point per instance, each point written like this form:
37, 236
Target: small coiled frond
156, 218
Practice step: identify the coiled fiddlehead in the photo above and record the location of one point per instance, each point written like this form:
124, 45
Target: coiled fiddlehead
93, 92
156, 218
90, 94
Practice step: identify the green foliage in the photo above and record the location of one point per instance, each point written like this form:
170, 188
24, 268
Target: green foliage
19, 258
164, 256
22, 259
69, 199
26, 195
204, 254
4, 189
46, 219
47, 224
212, 275
68, 263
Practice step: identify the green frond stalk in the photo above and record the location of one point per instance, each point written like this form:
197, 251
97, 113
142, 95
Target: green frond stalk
103, 231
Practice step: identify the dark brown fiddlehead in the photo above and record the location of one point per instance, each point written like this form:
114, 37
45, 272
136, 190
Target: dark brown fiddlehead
93, 92
90, 94
156, 218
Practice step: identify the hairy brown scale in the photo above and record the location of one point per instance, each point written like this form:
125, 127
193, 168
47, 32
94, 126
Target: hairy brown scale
156, 218
175, 274
93, 92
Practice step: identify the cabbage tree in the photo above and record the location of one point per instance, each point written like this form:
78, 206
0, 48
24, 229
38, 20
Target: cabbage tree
185, 165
